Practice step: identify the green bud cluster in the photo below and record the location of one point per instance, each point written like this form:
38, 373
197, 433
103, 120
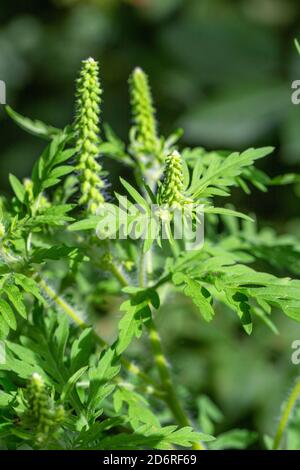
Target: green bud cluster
143, 114
106, 261
43, 201
172, 188
88, 99
42, 413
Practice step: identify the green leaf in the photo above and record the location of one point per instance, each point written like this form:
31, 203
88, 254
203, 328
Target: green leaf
72, 382
81, 349
135, 195
137, 313
5, 399
44, 174
55, 215
182, 437
18, 187
223, 171
54, 253
61, 337
234, 439
100, 380
240, 304
225, 211
60, 171
138, 409
4, 328
209, 414
199, 295
162, 438
34, 127
86, 224
29, 286
62, 156
16, 298
8, 314
23, 353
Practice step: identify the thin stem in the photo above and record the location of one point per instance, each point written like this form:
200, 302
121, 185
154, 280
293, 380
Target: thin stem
61, 303
162, 281
287, 411
33, 213
142, 269
118, 275
166, 381
148, 390
163, 368
149, 262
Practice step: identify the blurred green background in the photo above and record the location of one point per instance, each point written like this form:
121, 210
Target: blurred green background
220, 69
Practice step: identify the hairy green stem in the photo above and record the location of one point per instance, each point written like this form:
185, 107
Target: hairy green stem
61, 303
141, 273
165, 376
163, 368
118, 275
148, 390
162, 281
286, 414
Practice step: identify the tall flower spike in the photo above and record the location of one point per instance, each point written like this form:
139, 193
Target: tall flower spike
41, 412
143, 114
172, 188
88, 99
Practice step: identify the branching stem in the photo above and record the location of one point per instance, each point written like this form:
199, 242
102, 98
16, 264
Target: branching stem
118, 274
142, 269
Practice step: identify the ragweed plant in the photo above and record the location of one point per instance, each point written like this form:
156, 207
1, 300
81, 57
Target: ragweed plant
64, 251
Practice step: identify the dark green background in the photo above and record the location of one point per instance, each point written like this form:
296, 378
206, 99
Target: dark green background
223, 71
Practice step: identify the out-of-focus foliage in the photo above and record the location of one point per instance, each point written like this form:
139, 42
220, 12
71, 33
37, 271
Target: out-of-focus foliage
223, 69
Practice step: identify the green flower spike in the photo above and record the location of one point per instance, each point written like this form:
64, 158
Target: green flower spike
42, 413
172, 189
88, 96
2, 230
144, 139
